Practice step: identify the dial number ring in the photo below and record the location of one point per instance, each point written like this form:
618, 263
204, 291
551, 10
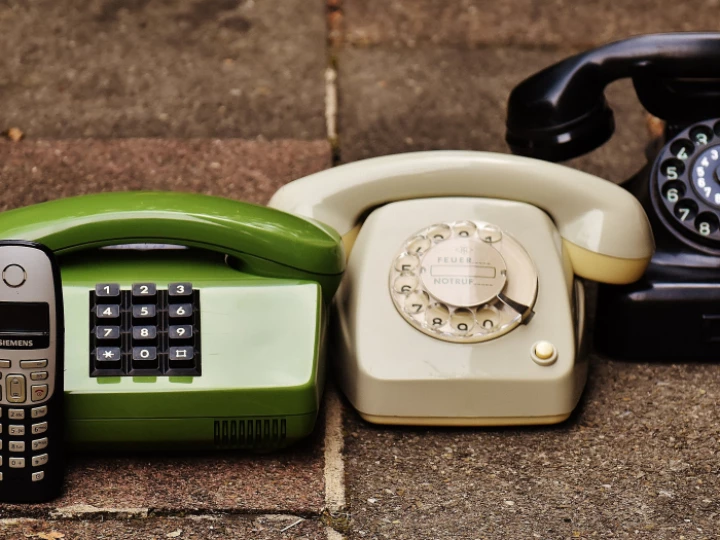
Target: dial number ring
685, 185
450, 281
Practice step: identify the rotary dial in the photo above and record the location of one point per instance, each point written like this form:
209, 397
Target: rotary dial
463, 281
686, 184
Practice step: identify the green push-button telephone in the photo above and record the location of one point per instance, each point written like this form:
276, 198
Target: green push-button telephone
191, 321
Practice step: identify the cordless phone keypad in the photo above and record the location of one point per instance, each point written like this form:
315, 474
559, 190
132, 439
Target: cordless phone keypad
24, 436
144, 330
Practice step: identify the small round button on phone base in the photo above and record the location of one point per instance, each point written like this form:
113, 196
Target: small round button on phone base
544, 353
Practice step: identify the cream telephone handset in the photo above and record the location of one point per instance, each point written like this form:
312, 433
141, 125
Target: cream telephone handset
459, 305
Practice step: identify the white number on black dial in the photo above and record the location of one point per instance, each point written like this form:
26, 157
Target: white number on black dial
704, 176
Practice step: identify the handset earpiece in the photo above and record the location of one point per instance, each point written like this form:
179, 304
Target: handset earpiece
561, 112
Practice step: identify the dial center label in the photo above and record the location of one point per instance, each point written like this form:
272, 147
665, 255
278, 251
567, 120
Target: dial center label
463, 272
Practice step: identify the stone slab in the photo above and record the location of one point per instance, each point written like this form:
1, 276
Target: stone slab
527, 23
638, 459
36, 171
401, 100
288, 481
186, 68
264, 527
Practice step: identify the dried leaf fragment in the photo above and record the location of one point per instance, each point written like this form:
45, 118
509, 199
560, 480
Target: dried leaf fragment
52, 535
14, 134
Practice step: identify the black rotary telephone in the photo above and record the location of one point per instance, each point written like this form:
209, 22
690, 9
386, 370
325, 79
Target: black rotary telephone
673, 312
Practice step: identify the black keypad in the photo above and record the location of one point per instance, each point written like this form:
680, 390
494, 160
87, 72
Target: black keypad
144, 330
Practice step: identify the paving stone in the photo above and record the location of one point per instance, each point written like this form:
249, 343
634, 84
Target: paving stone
177, 68
638, 459
36, 171
442, 98
531, 23
193, 527
288, 481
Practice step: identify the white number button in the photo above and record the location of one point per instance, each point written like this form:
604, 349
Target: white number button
104, 311
143, 312
16, 463
180, 289
181, 310
143, 289
144, 332
144, 353
181, 332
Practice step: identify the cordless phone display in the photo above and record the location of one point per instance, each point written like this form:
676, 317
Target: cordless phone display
31, 368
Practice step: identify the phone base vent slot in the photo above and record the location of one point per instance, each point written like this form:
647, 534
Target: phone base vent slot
250, 433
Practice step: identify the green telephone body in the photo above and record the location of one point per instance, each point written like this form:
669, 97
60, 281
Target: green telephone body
262, 281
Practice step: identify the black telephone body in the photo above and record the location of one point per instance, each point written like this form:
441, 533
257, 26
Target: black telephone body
673, 312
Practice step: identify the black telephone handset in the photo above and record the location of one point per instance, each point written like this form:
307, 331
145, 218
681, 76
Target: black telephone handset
561, 113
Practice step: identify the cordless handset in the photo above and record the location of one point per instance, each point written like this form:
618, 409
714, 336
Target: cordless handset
31, 367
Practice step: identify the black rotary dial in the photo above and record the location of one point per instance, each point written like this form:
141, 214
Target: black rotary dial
685, 185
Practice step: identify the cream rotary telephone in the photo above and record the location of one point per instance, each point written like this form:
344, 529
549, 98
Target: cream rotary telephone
460, 304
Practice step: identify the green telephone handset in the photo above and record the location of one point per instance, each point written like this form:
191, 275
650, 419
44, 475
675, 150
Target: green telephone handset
191, 321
